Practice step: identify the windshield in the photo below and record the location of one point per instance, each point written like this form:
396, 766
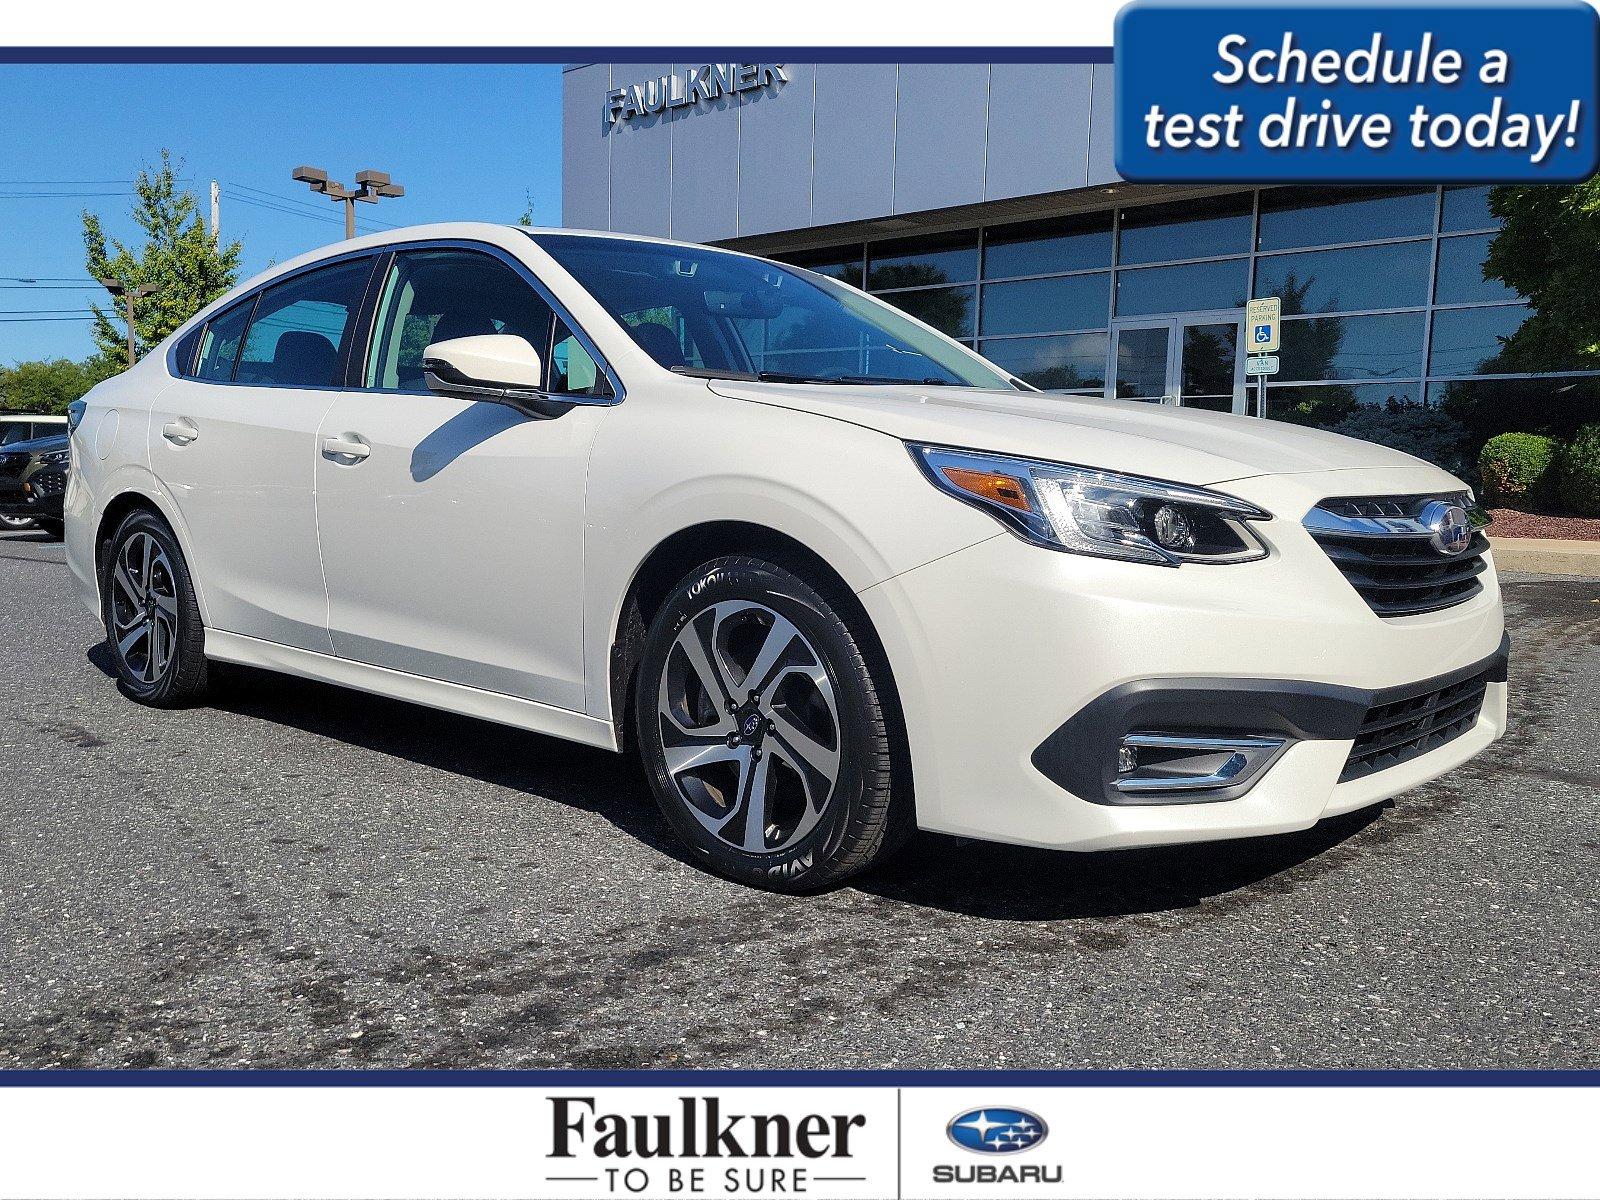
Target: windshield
707, 312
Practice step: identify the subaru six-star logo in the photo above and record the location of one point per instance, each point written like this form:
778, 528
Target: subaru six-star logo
997, 1130
1449, 526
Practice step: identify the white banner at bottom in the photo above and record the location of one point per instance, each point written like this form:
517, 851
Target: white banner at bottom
830, 1143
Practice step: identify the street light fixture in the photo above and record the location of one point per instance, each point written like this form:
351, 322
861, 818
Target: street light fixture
128, 295
370, 186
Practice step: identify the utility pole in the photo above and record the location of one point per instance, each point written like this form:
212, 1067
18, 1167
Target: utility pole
370, 185
128, 295
216, 211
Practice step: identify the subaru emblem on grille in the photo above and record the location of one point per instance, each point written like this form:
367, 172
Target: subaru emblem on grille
1449, 526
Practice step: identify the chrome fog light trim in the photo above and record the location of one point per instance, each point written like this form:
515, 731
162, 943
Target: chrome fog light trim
1174, 762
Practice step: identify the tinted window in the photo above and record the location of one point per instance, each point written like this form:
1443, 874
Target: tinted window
843, 264
1045, 305
219, 346
918, 262
1190, 229
1461, 278
1361, 277
1074, 362
1046, 247
1327, 405
1467, 208
573, 371
1388, 346
14, 431
1468, 341
298, 333
1288, 219
1193, 288
949, 310
438, 295
184, 352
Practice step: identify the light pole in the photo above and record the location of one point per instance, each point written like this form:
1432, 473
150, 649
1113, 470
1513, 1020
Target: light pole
370, 185
128, 295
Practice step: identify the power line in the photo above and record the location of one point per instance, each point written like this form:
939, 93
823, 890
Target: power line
20, 312
285, 210
39, 320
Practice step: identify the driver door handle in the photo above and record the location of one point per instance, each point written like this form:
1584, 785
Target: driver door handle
180, 432
346, 446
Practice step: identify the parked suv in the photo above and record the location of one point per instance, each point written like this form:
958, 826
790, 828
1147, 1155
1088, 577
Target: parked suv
33, 481
830, 573
24, 427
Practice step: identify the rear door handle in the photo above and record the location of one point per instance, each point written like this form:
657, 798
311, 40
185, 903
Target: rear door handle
180, 432
346, 446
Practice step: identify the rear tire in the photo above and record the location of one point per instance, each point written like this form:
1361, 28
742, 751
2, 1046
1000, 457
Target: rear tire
152, 620
764, 732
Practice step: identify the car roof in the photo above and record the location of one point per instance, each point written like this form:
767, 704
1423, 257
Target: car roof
52, 418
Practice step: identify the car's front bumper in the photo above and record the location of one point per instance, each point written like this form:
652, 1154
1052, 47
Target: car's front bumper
38, 494
997, 648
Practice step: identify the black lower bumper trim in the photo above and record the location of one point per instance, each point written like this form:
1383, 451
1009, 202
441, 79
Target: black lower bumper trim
1081, 755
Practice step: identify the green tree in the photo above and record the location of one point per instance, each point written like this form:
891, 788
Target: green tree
49, 386
1548, 248
188, 269
526, 219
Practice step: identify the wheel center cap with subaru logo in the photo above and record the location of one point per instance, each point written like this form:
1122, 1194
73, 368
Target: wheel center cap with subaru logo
997, 1130
1449, 527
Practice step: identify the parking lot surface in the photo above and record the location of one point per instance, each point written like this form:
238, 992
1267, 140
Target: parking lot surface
303, 877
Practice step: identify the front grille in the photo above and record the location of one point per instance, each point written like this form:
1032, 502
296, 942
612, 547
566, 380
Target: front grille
1382, 547
1401, 729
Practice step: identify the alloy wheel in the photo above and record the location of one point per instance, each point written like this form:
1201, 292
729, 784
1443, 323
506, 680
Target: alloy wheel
144, 608
749, 726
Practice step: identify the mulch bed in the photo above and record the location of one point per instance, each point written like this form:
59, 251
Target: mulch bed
1508, 522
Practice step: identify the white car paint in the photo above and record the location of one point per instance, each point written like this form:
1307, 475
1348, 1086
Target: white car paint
496, 587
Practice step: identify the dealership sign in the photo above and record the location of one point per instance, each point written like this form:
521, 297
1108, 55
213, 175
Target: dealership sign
690, 87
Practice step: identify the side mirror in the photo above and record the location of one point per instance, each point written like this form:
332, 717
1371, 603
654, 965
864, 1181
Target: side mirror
500, 368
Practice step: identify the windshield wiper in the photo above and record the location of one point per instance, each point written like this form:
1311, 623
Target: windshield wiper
784, 377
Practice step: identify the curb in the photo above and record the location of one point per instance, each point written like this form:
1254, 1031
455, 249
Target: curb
1547, 556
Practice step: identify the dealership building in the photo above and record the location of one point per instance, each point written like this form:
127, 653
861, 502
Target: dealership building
983, 198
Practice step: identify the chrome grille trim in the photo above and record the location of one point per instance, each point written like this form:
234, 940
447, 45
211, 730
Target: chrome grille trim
1386, 553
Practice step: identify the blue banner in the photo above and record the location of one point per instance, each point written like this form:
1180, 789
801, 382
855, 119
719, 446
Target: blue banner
1351, 92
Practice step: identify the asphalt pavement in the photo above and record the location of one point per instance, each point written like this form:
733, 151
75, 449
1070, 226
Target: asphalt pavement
299, 876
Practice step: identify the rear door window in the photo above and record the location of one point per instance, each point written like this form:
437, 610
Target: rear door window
298, 336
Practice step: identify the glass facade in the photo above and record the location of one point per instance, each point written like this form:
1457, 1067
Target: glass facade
1391, 332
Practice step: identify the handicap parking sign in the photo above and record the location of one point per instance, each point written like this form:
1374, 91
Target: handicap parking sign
1261, 317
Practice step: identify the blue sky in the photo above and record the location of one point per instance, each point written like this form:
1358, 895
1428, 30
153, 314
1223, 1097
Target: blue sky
466, 142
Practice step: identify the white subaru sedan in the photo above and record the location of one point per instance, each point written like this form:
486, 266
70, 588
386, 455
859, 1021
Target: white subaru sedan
831, 574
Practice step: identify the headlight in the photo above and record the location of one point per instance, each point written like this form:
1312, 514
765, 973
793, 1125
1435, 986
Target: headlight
1102, 513
56, 458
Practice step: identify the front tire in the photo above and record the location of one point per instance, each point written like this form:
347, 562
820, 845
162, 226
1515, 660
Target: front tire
9, 524
152, 620
764, 731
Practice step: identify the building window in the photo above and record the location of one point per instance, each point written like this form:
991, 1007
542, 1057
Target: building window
1047, 305
1465, 209
1192, 287
1063, 363
1189, 229
1048, 247
1292, 218
1468, 341
1355, 279
921, 262
1461, 279
1385, 346
949, 310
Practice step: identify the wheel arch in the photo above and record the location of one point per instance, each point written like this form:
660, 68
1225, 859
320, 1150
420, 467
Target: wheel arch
676, 555
139, 495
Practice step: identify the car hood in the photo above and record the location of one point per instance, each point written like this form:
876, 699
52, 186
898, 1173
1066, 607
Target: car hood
1183, 445
44, 445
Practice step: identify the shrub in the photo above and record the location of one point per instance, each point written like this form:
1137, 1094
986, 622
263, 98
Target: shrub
1516, 469
1579, 473
1431, 435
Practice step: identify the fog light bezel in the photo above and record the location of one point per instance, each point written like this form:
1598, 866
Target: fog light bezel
1247, 757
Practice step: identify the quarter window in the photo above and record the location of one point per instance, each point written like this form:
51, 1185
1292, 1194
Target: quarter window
439, 295
297, 337
573, 371
219, 347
